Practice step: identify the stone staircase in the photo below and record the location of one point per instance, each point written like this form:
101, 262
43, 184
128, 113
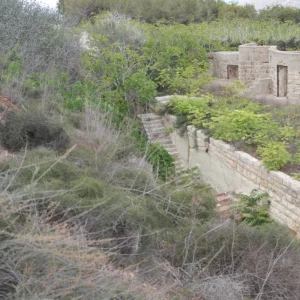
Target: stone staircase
223, 206
156, 132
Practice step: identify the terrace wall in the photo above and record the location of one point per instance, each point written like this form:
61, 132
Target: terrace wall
226, 168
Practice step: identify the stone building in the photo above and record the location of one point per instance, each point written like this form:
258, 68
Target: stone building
263, 69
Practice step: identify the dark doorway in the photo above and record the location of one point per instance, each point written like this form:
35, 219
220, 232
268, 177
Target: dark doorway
282, 80
232, 72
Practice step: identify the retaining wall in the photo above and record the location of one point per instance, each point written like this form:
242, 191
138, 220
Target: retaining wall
242, 171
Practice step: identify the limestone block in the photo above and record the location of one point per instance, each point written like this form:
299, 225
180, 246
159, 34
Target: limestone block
276, 176
212, 148
297, 211
223, 146
240, 168
201, 143
212, 141
171, 118
200, 134
264, 183
191, 131
287, 180
277, 191
291, 200
245, 157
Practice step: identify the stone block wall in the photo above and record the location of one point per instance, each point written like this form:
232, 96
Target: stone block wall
291, 60
219, 62
283, 190
262, 62
253, 62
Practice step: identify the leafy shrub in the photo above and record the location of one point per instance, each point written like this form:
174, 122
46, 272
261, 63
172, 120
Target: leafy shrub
274, 155
254, 208
185, 107
243, 125
44, 40
241, 121
89, 188
162, 161
31, 130
139, 89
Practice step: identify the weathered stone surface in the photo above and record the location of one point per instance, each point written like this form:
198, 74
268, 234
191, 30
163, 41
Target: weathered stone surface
223, 146
191, 129
200, 134
171, 118
245, 158
201, 143
283, 190
255, 62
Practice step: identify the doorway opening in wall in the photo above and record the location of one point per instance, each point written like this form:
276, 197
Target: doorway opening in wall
282, 80
232, 71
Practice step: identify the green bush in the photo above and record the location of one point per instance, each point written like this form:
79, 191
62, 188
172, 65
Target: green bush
31, 130
274, 155
254, 208
88, 188
161, 160
243, 125
139, 89
45, 167
234, 119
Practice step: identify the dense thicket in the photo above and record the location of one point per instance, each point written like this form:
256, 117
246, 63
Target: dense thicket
107, 218
42, 37
181, 11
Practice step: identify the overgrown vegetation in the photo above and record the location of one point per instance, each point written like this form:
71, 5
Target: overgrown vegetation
91, 209
31, 130
187, 11
253, 208
249, 126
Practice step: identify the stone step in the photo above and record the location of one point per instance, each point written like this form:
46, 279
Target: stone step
223, 206
178, 164
158, 136
173, 152
161, 140
149, 117
225, 215
170, 148
179, 170
220, 208
154, 123
162, 143
155, 130
154, 126
223, 199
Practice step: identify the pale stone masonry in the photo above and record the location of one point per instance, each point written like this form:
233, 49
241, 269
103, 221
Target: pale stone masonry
263, 69
240, 171
283, 190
